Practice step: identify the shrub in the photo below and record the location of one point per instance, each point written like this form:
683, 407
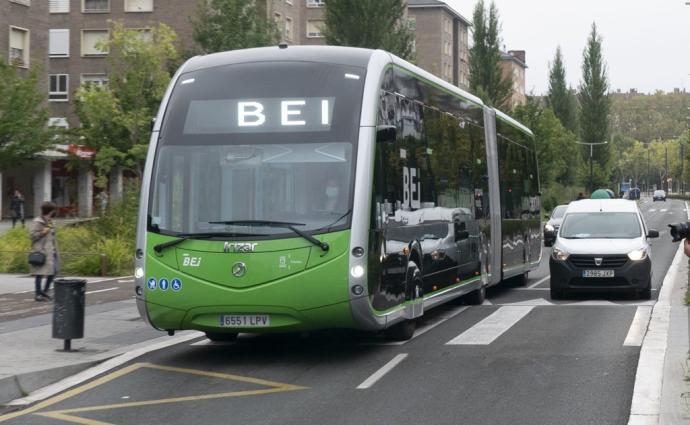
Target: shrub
113, 234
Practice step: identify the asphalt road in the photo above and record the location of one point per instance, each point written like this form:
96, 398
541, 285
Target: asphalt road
518, 359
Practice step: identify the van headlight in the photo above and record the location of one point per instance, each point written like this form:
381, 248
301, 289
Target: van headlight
638, 254
549, 228
559, 255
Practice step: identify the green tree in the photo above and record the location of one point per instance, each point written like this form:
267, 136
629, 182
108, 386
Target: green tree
374, 24
560, 97
23, 118
594, 108
486, 77
222, 25
116, 120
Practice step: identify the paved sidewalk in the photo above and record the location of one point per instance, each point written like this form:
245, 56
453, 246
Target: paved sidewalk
29, 358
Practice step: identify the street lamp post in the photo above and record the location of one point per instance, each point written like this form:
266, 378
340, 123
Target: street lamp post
591, 153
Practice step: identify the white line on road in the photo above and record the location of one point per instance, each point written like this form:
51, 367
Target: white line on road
381, 372
213, 343
638, 327
125, 281
489, 329
664, 209
101, 290
539, 282
652, 210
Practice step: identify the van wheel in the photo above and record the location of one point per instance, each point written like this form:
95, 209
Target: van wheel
402, 331
522, 279
221, 336
476, 297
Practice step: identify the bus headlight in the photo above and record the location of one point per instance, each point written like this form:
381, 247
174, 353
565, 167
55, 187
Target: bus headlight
638, 254
357, 271
139, 272
559, 255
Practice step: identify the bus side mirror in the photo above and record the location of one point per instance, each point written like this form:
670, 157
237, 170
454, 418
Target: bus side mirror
385, 133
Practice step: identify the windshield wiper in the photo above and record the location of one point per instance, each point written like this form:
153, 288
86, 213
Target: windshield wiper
186, 236
328, 228
286, 224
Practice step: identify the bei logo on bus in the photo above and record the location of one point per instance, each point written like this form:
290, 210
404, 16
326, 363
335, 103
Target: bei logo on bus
411, 188
292, 113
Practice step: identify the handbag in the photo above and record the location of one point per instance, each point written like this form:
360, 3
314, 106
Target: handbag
37, 258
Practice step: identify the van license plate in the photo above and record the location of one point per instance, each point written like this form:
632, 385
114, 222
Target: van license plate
245, 320
597, 273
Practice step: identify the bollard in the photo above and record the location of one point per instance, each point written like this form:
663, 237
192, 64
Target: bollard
68, 311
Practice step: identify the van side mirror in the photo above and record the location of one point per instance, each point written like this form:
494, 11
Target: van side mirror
385, 133
153, 123
652, 233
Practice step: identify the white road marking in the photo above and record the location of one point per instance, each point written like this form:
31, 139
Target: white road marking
539, 282
420, 331
489, 329
534, 302
69, 382
101, 290
487, 302
213, 343
532, 289
664, 209
125, 281
638, 327
652, 210
381, 372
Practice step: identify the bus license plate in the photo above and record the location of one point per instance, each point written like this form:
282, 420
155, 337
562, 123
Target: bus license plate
245, 320
597, 273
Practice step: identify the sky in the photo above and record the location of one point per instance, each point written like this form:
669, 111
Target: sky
646, 44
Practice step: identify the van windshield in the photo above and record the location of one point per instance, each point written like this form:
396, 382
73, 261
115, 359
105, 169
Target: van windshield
601, 225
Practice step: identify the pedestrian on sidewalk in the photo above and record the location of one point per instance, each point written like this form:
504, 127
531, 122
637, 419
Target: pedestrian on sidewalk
43, 241
17, 207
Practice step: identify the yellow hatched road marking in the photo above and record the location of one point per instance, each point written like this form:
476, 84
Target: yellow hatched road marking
275, 387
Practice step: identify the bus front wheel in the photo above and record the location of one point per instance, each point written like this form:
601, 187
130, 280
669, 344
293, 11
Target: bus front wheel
402, 331
221, 336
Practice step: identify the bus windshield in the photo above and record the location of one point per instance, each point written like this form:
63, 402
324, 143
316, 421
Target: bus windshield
271, 141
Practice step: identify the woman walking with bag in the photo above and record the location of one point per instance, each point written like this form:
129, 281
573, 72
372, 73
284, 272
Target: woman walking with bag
43, 260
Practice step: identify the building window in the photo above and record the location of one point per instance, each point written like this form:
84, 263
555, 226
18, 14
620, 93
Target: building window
138, 5
316, 3
99, 80
314, 29
89, 39
59, 86
144, 34
412, 23
288, 28
58, 43
58, 122
278, 19
95, 6
59, 6
19, 46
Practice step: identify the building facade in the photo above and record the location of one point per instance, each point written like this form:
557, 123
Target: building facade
441, 40
60, 38
513, 66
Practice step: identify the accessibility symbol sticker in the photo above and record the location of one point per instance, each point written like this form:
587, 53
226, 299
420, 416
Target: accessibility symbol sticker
176, 285
151, 283
163, 284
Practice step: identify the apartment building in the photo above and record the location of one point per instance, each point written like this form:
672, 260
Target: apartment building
441, 40
514, 65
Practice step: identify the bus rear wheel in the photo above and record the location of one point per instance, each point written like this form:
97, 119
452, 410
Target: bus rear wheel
402, 331
221, 336
476, 297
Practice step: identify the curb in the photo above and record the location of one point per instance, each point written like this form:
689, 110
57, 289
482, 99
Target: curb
89, 370
645, 408
16, 386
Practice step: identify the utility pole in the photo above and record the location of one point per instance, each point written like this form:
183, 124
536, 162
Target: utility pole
591, 154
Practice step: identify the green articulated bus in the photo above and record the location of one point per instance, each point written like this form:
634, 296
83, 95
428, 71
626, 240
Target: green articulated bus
300, 188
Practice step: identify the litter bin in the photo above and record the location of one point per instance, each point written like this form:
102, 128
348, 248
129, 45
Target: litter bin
68, 311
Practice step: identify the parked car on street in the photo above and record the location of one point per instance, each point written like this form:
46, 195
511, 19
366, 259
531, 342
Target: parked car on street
551, 226
602, 245
659, 195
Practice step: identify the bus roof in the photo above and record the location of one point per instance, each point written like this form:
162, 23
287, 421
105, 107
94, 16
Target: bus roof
329, 54
512, 121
